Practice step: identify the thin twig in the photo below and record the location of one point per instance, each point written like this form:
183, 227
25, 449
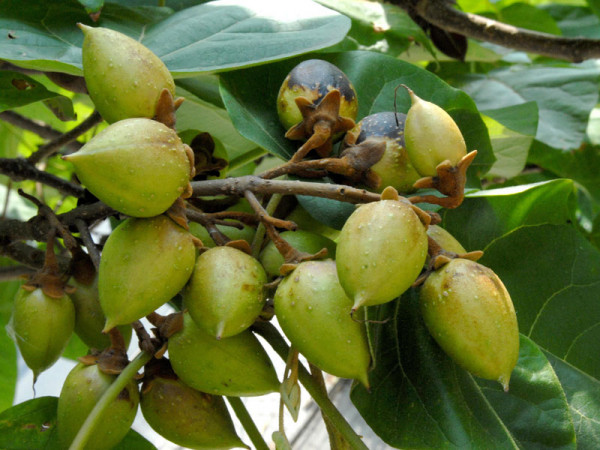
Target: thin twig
443, 14
19, 169
66, 138
14, 272
86, 237
39, 128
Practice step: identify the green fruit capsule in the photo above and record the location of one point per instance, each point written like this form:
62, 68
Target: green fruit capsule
81, 391
313, 79
137, 166
468, 311
89, 317
237, 366
41, 327
313, 312
394, 168
188, 417
124, 78
225, 294
305, 241
431, 136
381, 250
445, 239
145, 263
235, 234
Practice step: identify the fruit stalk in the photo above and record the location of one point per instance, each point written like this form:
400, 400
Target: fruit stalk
85, 432
249, 426
275, 340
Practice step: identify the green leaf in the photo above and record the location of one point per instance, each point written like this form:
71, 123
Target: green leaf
17, 89
227, 34
32, 425
92, 6
536, 410
528, 16
8, 352
565, 98
327, 211
575, 21
490, 214
419, 398
583, 395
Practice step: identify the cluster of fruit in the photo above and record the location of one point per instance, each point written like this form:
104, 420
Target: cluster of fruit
140, 167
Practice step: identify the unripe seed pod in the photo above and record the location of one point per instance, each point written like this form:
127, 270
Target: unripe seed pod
89, 317
145, 263
468, 311
81, 391
225, 293
394, 168
431, 136
445, 239
236, 366
235, 234
137, 166
304, 241
41, 327
313, 79
381, 251
188, 417
314, 313
124, 78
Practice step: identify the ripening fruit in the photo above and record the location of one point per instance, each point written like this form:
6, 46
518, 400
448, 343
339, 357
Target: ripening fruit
468, 311
394, 168
145, 263
304, 241
124, 78
313, 312
89, 317
81, 391
188, 417
225, 293
445, 239
313, 79
137, 166
41, 327
237, 365
235, 234
381, 251
431, 136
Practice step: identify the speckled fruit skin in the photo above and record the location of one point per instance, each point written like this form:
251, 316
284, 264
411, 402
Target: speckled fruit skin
41, 327
89, 317
145, 263
237, 366
302, 240
314, 313
225, 293
137, 166
394, 168
81, 391
124, 78
431, 136
381, 250
313, 79
468, 311
445, 239
188, 417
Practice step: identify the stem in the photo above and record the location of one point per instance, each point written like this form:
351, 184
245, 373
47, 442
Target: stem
261, 229
270, 333
244, 417
95, 416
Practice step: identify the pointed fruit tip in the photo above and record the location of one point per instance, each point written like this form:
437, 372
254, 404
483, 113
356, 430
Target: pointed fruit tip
503, 380
84, 28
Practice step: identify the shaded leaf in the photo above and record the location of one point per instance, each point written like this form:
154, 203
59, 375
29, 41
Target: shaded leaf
522, 15
8, 352
92, 6
17, 89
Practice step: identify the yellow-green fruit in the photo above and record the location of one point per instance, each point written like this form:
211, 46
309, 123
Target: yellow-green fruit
313, 79
89, 317
41, 327
235, 234
381, 251
468, 311
445, 239
304, 241
188, 417
81, 391
237, 366
137, 166
314, 313
431, 136
145, 263
225, 294
124, 78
